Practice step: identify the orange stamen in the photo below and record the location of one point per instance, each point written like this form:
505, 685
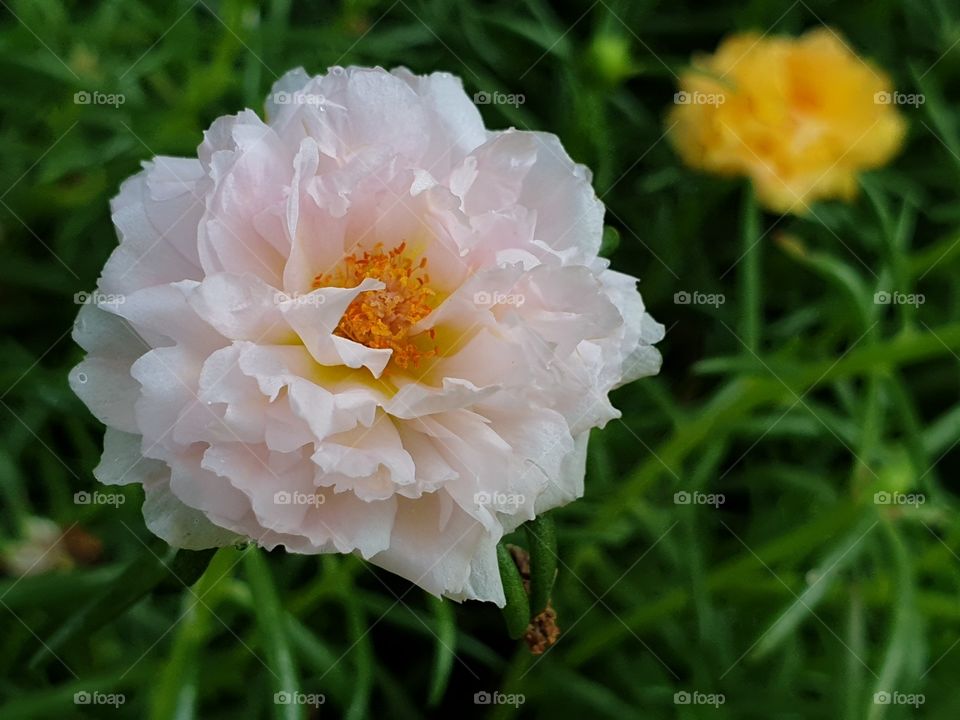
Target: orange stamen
382, 318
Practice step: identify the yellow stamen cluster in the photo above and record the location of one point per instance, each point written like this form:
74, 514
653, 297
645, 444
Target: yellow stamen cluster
383, 318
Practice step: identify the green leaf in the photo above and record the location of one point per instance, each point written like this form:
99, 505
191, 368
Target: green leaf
804, 605
176, 692
516, 612
904, 660
445, 650
270, 621
186, 568
610, 242
751, 244
140, 576
360, 641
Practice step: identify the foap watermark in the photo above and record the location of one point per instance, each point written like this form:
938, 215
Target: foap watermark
698, 498
82, 497
886, 297
894, 697
85, 697
98, 298
698, 298
683, 697
303, 98
498, 698
85, 97
498, 499
498, 98
311, 298
896, 497
285, 497
898, 98
285, 697
698, 98
484, 298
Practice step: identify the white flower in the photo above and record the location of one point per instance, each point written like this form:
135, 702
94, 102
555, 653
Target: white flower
367, 325
41, 549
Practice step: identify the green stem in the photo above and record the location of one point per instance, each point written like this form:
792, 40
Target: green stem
542, 536
516, 612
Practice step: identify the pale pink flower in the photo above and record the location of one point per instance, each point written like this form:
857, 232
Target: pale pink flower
366, 325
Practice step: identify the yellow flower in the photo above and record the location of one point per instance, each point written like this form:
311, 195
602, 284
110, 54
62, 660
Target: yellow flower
799, 116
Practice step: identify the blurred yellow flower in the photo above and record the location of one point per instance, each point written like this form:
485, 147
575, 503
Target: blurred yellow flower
799, 116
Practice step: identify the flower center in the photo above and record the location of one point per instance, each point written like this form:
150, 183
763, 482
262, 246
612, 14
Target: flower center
382, 318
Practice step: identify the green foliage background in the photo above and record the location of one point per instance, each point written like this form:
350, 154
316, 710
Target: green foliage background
798, 398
